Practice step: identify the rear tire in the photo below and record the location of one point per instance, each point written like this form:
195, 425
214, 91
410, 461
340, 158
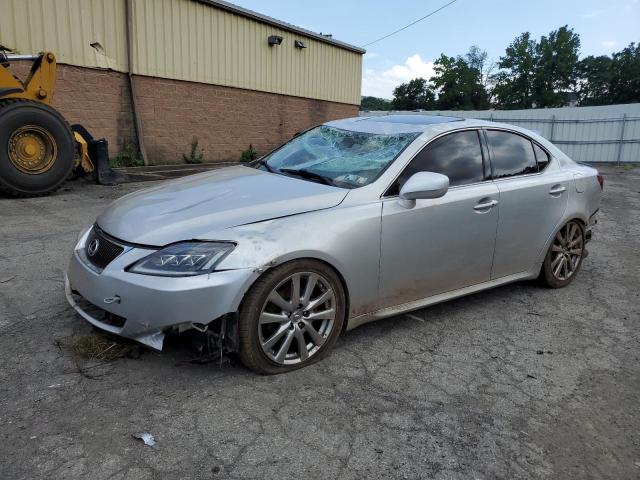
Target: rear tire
564, 258
37, 149
291, 317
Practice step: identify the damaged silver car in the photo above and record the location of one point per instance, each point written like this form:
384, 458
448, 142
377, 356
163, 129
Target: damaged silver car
349, 222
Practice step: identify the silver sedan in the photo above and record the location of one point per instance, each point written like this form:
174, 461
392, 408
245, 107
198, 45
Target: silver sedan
349, 222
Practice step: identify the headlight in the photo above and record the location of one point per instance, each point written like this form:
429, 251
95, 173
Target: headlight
183, 259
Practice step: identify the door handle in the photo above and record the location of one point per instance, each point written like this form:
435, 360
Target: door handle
486, 205
557, 190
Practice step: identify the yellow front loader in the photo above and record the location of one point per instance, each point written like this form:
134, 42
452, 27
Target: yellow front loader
38, 148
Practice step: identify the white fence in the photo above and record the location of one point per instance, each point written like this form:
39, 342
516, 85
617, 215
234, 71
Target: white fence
587, 134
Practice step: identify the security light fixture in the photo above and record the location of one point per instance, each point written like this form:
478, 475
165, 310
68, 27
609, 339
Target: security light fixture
274, 40
299, 44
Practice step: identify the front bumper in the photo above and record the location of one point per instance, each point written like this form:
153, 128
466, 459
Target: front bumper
145, 306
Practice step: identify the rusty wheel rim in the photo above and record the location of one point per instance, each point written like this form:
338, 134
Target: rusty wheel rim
32, 149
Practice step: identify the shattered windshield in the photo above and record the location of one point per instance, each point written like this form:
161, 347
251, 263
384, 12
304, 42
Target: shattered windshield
336, 157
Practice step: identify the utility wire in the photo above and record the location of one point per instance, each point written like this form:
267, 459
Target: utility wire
412, 23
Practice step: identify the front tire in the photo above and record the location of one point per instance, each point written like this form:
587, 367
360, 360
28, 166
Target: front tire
291, 317
564, 257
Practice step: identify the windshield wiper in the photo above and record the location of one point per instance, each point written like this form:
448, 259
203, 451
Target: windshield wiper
264, 163
308, 175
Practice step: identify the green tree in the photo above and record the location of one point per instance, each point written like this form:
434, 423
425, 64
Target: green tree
625, 75
415, 95
478, 59
538, 73
374, 103
513, 83
555, 67
607, 80
595, 77
459, 84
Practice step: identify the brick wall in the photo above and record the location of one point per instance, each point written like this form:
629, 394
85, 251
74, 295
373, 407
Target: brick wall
97, 99
225, 120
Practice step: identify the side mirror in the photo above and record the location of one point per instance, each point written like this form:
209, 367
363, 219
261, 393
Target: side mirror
423, 185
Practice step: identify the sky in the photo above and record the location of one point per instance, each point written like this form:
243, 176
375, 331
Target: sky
603, 26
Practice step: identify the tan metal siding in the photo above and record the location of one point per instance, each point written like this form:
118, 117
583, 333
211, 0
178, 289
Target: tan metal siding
67, 27
187, 40
182, 40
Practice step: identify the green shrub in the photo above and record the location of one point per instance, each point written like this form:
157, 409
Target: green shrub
129, 156
249, 154
194, 156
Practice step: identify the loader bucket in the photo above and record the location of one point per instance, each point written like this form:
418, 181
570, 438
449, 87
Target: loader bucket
99, 155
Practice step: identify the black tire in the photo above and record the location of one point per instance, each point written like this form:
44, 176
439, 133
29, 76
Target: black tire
547, 276
18, 113
251, 352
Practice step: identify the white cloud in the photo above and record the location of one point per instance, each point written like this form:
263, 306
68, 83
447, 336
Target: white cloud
380, 83
609, 43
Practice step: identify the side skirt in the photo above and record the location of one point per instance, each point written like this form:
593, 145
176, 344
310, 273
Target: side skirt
441, 297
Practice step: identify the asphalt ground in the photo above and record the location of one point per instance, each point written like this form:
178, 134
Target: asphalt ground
516, 382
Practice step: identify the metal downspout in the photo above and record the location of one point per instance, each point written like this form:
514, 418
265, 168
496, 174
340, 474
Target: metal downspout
132, 87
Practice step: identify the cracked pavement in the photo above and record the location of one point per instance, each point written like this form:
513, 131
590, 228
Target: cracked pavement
515, 382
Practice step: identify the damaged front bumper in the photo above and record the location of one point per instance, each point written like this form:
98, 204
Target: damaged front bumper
144, 307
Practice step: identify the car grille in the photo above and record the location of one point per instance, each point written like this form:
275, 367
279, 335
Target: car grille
100, 250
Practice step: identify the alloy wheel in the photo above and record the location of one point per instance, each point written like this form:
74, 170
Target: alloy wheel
297, 318
566, 251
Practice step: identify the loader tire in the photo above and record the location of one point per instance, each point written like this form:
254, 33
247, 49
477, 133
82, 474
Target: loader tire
37, 149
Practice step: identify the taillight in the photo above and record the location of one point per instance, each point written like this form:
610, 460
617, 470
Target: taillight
601, 181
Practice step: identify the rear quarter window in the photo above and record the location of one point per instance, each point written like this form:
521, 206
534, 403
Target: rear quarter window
541, 156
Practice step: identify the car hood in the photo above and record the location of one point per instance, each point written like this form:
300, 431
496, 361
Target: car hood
194, 207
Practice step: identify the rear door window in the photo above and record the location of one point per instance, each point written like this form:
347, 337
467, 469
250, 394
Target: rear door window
512, 154
456, 155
